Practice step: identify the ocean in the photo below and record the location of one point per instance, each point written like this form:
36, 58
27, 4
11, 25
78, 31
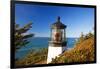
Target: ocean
40, 42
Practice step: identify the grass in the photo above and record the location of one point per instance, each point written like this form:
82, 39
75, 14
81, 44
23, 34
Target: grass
83, 51
33, 57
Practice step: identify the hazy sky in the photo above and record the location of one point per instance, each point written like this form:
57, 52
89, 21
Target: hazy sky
77, 19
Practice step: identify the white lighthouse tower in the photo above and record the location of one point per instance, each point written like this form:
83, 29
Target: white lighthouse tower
57, 43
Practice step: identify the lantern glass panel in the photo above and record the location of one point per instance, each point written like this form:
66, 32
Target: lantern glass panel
57, 34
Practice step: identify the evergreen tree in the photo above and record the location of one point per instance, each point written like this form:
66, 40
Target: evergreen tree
21, 36
81, 38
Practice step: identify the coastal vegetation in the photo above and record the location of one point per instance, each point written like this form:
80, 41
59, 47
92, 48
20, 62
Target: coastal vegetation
21, 36
83, 51
33, 57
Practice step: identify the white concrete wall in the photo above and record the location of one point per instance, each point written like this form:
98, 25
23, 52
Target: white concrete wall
53, 52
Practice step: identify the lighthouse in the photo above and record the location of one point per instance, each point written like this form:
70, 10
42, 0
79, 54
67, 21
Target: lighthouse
57, 43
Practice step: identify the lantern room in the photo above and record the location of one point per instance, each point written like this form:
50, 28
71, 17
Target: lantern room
58, 33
